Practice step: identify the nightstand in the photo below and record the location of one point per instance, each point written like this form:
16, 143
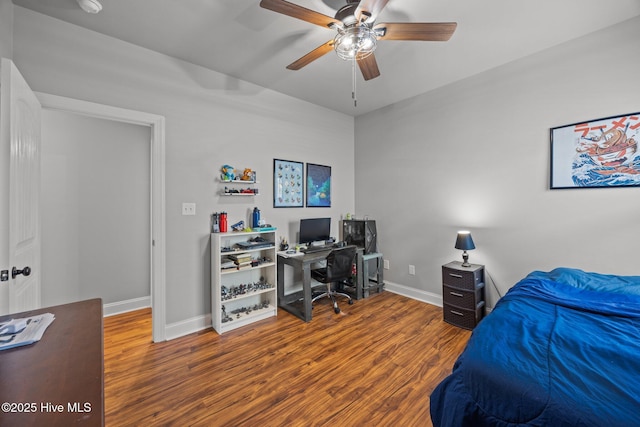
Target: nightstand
463, 300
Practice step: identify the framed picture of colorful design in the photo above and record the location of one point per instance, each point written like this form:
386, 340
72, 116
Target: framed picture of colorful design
596, 153
318, 186
288, 184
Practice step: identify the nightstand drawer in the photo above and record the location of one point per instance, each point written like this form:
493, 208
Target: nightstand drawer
463, 294
467, 319
461, 279
462, 298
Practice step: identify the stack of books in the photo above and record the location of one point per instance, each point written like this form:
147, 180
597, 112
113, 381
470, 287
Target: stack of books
227, 263
241, 260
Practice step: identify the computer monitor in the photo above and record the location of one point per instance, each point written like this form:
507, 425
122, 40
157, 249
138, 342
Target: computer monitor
314, 230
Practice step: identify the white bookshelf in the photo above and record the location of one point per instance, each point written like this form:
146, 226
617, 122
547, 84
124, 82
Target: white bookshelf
247, 294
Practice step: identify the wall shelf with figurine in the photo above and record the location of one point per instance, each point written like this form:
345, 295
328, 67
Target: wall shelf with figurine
238, 181
239, 192
233, 178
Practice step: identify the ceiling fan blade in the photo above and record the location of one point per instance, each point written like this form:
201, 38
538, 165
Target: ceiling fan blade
295, 11
424, 31
370, 7
312, 56
369, 67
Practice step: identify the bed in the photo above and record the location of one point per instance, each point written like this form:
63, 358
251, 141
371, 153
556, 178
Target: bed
561, 348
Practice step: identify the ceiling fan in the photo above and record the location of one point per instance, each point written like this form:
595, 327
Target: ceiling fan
357, 34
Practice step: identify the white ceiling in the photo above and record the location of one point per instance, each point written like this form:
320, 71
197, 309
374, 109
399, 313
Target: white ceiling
242, 40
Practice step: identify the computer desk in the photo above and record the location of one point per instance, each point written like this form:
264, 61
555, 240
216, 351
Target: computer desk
303, 262
299, 262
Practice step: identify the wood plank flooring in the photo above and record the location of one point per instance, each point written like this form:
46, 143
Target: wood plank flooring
375, 364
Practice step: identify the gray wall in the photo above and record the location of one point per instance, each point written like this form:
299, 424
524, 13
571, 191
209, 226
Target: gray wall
475, 155
95, 209
6, 29
211, 120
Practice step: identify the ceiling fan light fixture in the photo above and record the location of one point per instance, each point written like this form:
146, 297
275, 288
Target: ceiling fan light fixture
90, 6
355, 42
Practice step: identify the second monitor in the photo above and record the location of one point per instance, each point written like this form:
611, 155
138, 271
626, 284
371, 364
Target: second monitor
314, 230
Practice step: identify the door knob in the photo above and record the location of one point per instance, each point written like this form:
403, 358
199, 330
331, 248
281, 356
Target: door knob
25, 271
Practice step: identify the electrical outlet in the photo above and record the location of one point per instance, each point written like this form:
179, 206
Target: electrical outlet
412, 270
386, 264
188, 209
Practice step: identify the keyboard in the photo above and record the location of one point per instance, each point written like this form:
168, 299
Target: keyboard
313, 249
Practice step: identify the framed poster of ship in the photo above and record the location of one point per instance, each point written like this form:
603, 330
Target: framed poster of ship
596, 153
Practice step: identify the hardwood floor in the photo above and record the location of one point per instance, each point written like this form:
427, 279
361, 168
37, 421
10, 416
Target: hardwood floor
375, 364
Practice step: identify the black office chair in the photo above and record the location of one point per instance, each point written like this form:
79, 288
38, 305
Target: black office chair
339, 264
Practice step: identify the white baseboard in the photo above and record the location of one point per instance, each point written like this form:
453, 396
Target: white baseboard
186, 327
172, 331
199, 323
417, 294
125, 306
424, 296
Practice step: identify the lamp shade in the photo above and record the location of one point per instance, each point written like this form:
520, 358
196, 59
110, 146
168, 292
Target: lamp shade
464, 241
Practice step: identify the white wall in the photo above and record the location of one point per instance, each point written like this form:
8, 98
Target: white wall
475, 155
6, 51
95, 209
211, 120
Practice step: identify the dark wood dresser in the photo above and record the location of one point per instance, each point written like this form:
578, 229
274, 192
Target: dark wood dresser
463, 300
59, 380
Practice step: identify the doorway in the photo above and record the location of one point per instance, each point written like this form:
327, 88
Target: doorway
156, 243
95, 193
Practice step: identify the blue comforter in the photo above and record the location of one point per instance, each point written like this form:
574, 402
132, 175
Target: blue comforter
561, 348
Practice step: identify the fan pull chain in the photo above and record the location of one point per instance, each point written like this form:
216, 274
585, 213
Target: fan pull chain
353, 83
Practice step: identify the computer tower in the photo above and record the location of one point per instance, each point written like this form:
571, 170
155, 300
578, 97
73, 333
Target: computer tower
362, 233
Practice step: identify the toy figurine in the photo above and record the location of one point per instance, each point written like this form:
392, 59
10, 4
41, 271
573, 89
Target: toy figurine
238, 226
248, 175
228, 173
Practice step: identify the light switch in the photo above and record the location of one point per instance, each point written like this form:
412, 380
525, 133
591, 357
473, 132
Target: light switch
188, 209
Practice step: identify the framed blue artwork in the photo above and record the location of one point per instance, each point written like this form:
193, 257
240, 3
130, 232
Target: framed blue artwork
318, 186
596, 153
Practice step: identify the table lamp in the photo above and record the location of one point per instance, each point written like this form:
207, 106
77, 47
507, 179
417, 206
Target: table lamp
464, 242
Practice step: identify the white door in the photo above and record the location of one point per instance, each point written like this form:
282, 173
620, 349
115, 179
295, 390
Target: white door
20, 112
